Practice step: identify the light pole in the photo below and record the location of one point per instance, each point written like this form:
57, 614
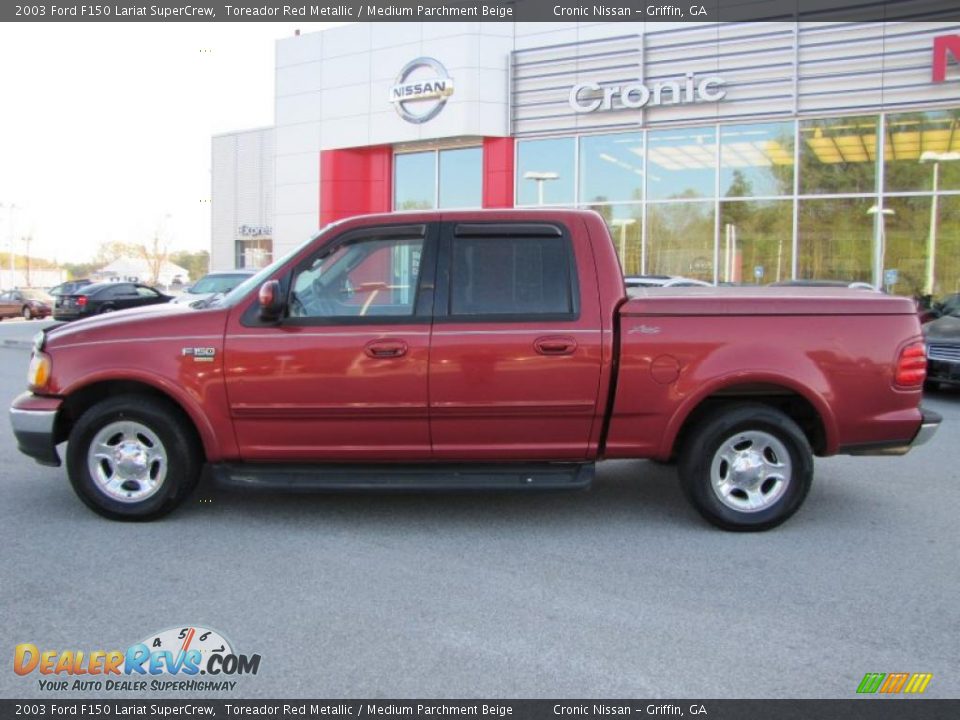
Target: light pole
11, 208
623, 224
880, 212
540, 177
936, 158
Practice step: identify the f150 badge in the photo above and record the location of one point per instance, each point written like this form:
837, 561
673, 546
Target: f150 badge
200, 354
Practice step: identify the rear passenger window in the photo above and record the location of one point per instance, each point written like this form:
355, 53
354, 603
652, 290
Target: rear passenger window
519, 276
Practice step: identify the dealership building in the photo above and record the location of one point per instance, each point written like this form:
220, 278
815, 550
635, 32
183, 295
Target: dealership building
742, 153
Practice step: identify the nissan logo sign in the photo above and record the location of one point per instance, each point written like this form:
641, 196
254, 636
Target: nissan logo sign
421, 90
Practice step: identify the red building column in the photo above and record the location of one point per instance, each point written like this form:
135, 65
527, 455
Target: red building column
355, 181
498, 172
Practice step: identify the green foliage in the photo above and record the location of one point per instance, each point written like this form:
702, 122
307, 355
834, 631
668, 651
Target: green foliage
195, 263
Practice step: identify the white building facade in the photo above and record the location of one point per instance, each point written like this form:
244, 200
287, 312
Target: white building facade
242, 199
749, 152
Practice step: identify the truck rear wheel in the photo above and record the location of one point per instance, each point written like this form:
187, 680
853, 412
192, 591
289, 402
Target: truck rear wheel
746, 467
132, 458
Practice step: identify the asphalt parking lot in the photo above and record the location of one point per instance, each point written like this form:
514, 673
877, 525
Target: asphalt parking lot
621, 591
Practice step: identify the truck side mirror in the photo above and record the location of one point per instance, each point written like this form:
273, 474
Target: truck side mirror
271, 303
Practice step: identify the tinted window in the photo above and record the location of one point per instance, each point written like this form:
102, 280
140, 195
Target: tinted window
113, 291
511, 276
369, 278
146, 292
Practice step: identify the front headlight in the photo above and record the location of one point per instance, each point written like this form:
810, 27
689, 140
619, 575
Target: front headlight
39, 373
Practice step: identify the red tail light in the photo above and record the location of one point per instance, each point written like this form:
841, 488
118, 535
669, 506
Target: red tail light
912, 365
82, 301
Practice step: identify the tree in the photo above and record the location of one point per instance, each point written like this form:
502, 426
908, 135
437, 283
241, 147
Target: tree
195, 263
156, 254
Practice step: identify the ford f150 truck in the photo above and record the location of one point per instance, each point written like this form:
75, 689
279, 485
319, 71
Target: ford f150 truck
489, 349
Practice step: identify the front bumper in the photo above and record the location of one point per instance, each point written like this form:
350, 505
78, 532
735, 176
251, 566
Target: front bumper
929, 422
34, 420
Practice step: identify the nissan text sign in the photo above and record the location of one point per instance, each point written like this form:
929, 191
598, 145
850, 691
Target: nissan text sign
944, 47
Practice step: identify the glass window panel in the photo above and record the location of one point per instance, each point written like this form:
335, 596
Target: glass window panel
545, 172
510, 276
626, 230
947, 254
756, 240
611, 167
461, 178
835, 240
681, 163
414, 180
907, 235
915, 143
756, 160
362, 279
680, 239
838, 155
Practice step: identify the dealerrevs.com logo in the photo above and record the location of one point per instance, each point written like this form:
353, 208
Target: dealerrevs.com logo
178, 659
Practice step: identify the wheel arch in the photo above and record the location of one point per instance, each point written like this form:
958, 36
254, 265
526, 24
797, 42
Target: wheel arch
804, 406
79, 398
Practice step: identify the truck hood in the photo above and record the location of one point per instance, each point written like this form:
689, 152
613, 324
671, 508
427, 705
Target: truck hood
152, 321
764, 301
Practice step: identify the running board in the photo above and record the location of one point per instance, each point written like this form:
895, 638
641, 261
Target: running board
312, 478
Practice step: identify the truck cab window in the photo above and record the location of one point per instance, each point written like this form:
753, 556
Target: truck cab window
511, 276
369, 278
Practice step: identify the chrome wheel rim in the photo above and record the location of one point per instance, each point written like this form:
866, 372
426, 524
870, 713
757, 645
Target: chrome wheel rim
750, 471
127, 461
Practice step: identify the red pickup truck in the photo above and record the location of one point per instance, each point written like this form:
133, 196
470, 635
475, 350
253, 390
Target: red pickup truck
487, 349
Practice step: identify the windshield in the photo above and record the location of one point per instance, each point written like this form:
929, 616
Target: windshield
241, 290
216, 284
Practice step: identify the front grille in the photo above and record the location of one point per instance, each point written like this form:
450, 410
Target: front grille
948, 353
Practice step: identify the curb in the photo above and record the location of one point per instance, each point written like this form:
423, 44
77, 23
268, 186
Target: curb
26, 344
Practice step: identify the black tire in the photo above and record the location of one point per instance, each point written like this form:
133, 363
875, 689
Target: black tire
106, 309
720, 429
27, 313
183, 456
931, 385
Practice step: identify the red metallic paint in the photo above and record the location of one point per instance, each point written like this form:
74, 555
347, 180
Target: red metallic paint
146, 346
481, 392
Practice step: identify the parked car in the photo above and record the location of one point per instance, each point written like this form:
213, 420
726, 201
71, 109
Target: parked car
638, 281
943, 348
28, 304
488, 349
66, 288
104, 298
216, 283
949, 304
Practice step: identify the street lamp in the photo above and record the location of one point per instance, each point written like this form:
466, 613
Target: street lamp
540, 177
11, 208
623, 224
936, 158
881, 249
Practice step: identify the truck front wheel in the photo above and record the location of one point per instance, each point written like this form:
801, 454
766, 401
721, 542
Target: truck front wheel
132, 458
746, 467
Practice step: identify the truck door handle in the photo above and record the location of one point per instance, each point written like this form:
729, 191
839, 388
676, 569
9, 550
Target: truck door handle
381, 349
555, 345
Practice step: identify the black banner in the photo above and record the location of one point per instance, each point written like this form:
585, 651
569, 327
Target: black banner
860, 709
484, 10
